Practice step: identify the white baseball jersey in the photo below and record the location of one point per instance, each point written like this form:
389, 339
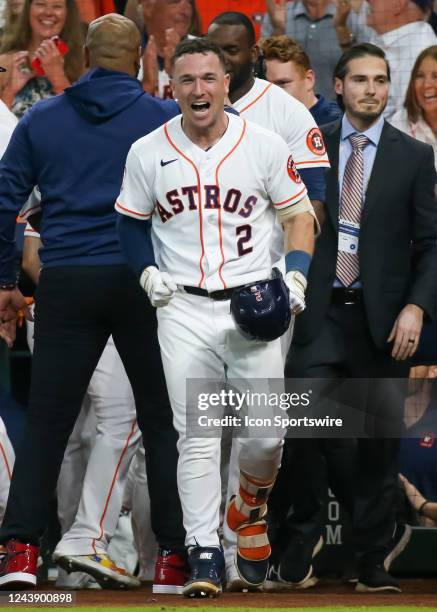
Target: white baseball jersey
268, 105
210, 210
272, 108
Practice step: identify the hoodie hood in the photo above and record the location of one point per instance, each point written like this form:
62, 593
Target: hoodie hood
101, 94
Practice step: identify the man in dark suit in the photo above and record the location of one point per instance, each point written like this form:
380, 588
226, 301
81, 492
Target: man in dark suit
372, 281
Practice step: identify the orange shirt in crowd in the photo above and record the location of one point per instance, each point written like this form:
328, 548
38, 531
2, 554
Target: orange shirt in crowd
254, 9
91, 9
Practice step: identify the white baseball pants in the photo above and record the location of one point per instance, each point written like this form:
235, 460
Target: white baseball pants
7, 458
116, 442
198, 339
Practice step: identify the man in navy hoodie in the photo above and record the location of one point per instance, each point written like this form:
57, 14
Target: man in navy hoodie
74, 147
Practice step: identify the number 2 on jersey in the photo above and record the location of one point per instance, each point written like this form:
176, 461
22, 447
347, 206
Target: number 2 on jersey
245, 234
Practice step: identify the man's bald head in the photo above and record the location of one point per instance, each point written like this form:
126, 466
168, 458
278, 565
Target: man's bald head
113, 43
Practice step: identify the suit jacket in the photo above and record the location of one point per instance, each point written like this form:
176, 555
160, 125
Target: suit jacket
398, 236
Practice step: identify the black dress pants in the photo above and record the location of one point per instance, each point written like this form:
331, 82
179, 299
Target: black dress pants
365, 479
77, 309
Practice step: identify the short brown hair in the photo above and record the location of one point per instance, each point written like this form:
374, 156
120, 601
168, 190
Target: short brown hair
190, 46
285, 49
411, 104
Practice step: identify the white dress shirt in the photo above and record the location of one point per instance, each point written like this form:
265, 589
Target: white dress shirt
402, 46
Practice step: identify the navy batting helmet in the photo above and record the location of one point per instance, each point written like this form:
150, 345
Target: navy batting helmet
262, 310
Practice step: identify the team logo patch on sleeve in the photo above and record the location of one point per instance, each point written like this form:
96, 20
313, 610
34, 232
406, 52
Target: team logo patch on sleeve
315, 142
292, 171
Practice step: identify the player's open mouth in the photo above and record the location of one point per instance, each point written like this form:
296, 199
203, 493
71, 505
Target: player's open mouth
200, 107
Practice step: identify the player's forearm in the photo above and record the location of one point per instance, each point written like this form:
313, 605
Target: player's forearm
299, 233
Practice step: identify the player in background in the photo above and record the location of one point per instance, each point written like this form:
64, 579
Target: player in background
267, 105
90, 489
208, 182
272, 108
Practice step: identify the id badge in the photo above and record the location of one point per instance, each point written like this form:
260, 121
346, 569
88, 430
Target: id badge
348, 236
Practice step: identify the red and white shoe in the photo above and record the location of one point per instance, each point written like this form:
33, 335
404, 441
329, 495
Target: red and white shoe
171, 572
18, 566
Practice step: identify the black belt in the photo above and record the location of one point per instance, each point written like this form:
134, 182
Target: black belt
342, 296
222, 294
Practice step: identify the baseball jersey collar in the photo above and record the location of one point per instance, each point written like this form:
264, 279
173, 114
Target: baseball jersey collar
219, 150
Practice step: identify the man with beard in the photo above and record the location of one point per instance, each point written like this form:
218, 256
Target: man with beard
371, 284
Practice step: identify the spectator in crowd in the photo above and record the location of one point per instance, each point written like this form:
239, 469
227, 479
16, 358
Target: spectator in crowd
288, 66
74, 147
350, 23
41, 20
364, 319
133, 10
311, 24
402, 33
166, 24
92, 9
418, 117
11, 17
254, 9
418, 446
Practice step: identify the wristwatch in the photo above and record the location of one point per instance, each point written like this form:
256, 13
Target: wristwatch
7, 286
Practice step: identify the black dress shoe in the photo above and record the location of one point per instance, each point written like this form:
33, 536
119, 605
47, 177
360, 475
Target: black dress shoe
375, 579
296, 566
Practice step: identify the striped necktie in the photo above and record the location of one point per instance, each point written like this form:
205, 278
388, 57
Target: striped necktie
348, 267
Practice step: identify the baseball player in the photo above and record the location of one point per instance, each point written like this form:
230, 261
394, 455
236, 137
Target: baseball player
90, 492
270, 107
208, 182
